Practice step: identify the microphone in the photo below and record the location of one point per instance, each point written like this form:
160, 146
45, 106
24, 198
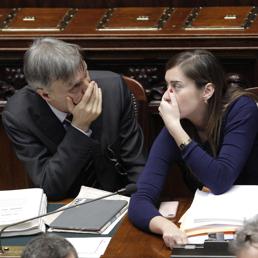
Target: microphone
129, 189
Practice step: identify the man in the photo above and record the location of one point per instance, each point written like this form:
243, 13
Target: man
50, 247
245, 244
102, 144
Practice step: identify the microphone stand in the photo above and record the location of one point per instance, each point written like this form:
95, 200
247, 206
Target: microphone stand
2, 251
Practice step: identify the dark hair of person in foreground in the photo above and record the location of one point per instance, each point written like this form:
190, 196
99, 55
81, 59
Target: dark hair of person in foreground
49, 246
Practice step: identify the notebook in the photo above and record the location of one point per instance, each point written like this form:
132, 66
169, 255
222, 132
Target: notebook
92, 217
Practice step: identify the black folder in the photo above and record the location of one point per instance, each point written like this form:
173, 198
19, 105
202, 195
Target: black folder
210, 249
92, 217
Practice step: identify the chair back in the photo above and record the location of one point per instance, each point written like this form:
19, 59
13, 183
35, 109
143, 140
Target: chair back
139, 100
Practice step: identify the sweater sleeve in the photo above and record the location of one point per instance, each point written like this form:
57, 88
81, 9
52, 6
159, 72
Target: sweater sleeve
238, 136
143, 204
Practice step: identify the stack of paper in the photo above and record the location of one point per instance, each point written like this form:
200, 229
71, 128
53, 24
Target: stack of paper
211, 213
18, 205
98, 217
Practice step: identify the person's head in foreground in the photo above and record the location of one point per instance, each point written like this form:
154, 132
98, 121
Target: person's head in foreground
49, 247
245, 244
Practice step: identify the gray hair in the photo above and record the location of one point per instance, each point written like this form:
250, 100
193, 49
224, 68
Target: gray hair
49, 246
246, 237
49, 60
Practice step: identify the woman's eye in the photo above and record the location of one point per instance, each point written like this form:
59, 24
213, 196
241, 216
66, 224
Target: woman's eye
177, 86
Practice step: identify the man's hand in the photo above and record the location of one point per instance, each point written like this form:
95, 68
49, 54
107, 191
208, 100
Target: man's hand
88, 109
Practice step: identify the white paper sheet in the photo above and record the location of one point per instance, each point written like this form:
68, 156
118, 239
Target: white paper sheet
90, 247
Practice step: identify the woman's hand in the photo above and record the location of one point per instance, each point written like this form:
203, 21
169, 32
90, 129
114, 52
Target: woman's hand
171, 234
169, 110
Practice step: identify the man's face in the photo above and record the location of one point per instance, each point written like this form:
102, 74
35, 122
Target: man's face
58, 92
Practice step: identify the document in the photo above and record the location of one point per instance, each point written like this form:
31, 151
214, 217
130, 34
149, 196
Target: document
220, 213
18, 205
90, 247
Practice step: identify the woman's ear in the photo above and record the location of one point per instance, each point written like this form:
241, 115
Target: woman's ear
43, 93
208, 91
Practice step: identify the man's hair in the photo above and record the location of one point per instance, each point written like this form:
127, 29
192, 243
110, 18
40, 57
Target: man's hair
246, 237
49, 60
48, 246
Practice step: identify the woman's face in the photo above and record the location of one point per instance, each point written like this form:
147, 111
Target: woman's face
189, 97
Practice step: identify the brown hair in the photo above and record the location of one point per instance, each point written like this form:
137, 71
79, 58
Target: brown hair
202, 67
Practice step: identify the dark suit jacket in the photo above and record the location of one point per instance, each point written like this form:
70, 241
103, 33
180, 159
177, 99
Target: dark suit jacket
59, 160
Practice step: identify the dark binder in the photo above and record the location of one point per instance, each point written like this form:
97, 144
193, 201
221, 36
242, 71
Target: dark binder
92, 217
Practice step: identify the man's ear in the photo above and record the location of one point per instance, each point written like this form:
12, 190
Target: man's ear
43, 93
208, 91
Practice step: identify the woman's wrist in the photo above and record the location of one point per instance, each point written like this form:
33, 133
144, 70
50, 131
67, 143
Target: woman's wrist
184, 144
159, 224
180, 136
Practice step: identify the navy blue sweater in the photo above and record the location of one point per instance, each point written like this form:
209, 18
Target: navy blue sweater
236, 162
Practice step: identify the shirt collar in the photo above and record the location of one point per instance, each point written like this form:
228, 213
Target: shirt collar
59, 114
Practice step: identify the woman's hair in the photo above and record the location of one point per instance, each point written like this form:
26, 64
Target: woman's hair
49, 60
246, 237
202, 67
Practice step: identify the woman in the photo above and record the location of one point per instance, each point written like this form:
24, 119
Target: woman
219, 146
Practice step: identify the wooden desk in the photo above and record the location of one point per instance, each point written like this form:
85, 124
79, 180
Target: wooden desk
128, 241
132, 242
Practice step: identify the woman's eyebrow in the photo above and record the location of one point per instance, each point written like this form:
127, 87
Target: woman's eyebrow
173, 82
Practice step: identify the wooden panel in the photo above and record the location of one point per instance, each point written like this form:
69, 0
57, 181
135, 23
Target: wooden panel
160, 22
85, 22
221, 18
120, 3
37, 19
136, 19
4, 15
